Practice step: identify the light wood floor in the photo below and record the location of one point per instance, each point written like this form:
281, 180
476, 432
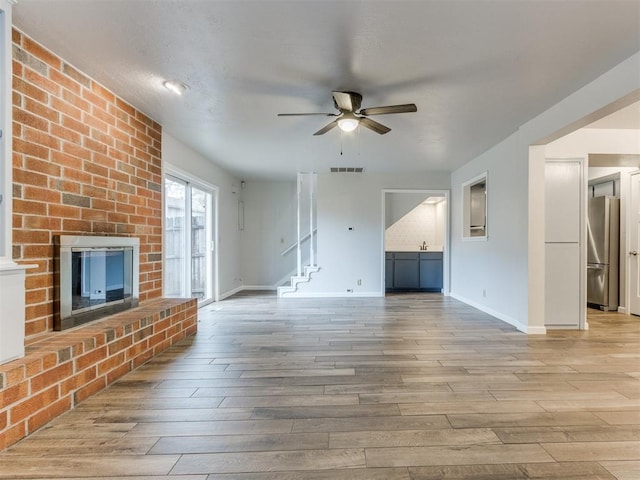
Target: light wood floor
408, 387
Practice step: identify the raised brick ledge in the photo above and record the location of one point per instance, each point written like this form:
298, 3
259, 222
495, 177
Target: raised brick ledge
61, 370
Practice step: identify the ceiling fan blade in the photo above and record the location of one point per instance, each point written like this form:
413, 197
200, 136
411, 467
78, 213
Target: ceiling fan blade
307, 114
347, 101
406, 108
326, 128
375, 126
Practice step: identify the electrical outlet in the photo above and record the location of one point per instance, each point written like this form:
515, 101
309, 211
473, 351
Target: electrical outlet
359, 282
484, 292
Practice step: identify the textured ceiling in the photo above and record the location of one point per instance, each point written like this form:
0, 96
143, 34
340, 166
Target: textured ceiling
476, 70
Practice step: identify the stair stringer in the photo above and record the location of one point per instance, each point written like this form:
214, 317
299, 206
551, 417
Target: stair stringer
289, 290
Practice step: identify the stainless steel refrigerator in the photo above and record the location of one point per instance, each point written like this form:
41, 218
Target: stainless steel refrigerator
603, 244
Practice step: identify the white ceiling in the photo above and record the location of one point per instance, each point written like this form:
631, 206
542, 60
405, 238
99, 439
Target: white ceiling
476, 70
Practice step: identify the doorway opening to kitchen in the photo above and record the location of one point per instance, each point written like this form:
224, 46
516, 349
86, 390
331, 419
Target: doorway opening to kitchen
415, 241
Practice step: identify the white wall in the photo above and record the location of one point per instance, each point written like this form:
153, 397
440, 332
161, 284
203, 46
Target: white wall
356, 201
397, 205
269, 228
184, 158
492, 274
511, 261
422, 224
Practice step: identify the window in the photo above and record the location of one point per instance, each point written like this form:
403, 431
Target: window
474, 208
188, 243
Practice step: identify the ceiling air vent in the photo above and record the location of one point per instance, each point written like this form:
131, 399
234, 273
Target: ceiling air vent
347, 170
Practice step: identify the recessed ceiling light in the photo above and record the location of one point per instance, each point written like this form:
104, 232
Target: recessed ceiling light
176, 86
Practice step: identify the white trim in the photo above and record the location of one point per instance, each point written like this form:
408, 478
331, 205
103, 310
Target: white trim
176, 173
333, 294
230, 293
463, 201
500, 316
259, 287
6, 165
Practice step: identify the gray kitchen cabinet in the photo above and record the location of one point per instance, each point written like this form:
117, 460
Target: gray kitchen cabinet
431, 271
420, 271
406, 270
388, 262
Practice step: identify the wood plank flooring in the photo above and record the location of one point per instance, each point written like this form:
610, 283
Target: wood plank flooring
409, 387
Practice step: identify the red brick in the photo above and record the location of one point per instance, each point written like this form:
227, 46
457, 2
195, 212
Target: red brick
77, 381
14, 393
40, 52
63, 107
88, 390
64, 211
76, 101
12, 435
31, 149
39, 310
28, 118
75, 226
118, 372
66, 134
40, 166
29, 90
33, 404
31, 236
41, 81
51, 377
65, 82
49, 413
91, 358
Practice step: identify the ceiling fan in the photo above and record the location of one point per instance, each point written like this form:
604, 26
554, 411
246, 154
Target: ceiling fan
351, 116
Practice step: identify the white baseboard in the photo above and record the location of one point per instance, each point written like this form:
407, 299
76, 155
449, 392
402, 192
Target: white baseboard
333, 294
622, 309
230, 293
259, 287
500, 316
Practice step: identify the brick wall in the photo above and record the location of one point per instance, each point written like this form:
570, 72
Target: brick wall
64, 368
84, 162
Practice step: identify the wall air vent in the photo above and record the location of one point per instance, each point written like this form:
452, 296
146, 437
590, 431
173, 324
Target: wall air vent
347, 170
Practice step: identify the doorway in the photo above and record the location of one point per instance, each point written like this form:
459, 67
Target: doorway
617, 136
190, 230
415, 240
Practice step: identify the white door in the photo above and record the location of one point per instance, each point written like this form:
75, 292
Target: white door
189, 241
634, 246
564, 198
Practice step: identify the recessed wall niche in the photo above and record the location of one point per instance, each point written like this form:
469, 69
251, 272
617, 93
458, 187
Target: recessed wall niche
474, 208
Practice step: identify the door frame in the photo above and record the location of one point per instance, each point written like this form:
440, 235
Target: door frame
629, 246
446, 247
175, 172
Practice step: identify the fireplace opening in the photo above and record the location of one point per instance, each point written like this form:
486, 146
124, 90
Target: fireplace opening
95, 277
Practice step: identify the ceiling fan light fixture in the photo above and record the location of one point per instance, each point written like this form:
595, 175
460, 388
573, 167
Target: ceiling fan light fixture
348, 123
176, 86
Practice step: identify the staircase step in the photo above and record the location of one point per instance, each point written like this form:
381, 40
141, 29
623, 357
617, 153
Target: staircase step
286, 290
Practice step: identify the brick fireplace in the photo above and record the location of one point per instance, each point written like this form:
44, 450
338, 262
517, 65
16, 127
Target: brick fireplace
84, 162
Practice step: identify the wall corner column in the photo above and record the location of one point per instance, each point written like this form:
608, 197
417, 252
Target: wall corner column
535, 250
12, 275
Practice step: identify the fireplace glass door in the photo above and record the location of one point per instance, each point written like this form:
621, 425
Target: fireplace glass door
99, 276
